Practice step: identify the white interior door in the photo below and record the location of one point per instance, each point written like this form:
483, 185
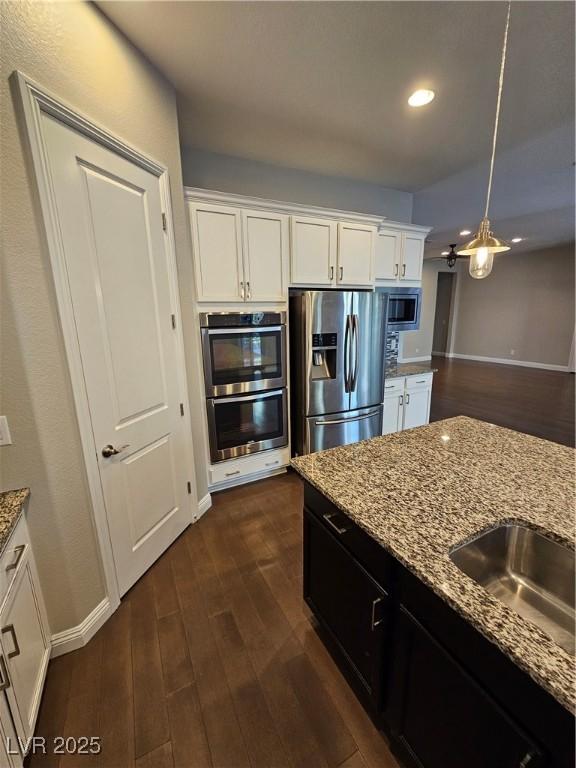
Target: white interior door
119, 272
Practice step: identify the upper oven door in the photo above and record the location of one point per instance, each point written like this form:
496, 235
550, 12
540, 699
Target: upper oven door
404, 310
239, 360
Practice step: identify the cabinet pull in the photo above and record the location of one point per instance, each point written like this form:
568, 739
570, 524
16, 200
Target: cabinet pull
374, 623
331, 273
401, 399
9, 630
4, 679
407, 398
341, 273
421, 381
19, 552
242, 292
526, 760
328, 518
272, 463
236, 472
248, 290
403, 270
395, 270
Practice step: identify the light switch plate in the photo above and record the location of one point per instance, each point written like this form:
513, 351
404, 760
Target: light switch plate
5, 438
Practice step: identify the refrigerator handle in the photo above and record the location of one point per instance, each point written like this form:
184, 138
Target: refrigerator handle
355, 334
347, 355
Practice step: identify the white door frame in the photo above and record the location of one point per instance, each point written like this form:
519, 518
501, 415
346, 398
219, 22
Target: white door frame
35, 100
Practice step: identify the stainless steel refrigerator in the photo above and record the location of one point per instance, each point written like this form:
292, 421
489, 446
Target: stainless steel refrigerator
337, 341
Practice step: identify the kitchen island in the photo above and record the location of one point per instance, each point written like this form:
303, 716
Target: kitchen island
454, 675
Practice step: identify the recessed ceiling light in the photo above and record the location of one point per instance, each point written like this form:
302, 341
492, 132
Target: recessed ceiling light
420, 98
445, 253
465, 232
517, 239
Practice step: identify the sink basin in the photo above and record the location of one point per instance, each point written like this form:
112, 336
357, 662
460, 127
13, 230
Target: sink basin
530, 573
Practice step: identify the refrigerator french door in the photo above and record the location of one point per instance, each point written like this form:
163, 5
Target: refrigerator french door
337, 343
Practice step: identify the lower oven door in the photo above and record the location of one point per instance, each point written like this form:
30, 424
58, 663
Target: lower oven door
246, 424
342, 428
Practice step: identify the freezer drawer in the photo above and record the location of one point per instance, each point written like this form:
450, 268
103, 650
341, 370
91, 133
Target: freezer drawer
342, 428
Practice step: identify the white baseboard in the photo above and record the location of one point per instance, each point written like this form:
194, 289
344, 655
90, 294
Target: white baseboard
204, 505
506, 361
423, 359
76, 637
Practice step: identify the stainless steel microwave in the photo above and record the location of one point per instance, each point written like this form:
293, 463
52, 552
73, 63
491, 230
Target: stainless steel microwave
403, 308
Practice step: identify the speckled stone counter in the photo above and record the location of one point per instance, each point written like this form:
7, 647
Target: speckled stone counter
422, 492
11, 507
408, 369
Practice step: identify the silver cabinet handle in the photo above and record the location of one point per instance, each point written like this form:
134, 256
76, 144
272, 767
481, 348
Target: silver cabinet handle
248, 291
526, 760
4, 679
407, 398
242, 292
272, 463
401, 399
422, 381
403, 270
395, 270
19, 550
374, 623
328, 518
341, 273
331, 273
236, 472
9, 630
109, 450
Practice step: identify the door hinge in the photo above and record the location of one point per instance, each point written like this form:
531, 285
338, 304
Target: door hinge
181, 409
173, 318
164, 223
189, 486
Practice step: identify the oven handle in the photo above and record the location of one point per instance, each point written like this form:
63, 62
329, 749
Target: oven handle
245, 398
247, 329
346, 421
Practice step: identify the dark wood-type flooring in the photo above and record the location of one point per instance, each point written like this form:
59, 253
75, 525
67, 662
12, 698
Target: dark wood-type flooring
529, 400
212, 659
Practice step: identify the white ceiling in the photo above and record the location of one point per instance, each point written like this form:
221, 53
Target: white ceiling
322, 86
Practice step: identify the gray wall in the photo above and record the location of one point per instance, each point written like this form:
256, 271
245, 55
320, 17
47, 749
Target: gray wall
526, 305
72, 49
226, 173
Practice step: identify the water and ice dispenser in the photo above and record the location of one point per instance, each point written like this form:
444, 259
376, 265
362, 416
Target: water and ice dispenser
324, 354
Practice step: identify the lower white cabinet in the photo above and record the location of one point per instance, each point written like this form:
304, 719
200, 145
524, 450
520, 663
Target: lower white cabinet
24, 639
244, 469
406, 402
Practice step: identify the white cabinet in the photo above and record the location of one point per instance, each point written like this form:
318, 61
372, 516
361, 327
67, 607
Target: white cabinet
331, 254
24, 643
355, 254
239, 254
313, 251
399, 256
406, 402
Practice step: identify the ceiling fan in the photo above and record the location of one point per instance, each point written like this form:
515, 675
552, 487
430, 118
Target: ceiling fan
450, 256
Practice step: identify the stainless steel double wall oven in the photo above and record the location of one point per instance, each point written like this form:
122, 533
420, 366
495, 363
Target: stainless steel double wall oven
245, 380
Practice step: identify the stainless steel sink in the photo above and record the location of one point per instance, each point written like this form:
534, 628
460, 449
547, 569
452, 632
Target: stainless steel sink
528, 572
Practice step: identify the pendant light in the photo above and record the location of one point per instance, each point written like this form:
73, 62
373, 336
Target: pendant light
483, 247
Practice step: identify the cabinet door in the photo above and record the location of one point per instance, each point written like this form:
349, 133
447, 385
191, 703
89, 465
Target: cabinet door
217, 242
393, 410
440, 717
388, 247
265, 239
355, 254
313, 257
25, 648
416, 408
412, 255
349, 604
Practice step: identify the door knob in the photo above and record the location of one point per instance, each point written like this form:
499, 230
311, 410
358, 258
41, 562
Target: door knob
109, 450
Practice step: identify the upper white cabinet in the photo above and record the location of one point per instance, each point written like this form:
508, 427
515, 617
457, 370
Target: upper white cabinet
331, 254
239, 254
399, 256
314, 247
355, 254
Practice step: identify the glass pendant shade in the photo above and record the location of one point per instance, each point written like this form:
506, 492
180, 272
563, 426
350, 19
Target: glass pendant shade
482, 249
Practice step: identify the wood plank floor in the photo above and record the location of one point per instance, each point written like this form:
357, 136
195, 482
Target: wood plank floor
529, 400
213, 659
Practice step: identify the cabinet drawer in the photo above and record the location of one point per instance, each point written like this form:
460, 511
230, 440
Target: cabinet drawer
227, 471
420, 381
371, 555
15, 553
393, 385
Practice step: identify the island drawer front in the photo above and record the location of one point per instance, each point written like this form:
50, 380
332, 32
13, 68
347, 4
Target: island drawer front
368, 552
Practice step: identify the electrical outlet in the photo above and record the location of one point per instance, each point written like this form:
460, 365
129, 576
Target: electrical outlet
512, 351
5, 438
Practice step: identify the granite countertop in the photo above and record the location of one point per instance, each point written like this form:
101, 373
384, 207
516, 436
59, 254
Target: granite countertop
422, 492
11, 507
408, 369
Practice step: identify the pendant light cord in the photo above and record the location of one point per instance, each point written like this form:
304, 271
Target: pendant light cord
500, 85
